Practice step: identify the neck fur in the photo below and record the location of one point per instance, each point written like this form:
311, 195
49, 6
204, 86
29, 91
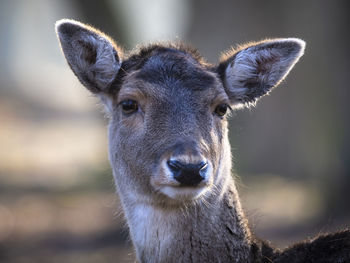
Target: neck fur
213, 229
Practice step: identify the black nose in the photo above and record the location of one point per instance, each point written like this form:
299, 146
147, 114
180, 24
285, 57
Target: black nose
188, 174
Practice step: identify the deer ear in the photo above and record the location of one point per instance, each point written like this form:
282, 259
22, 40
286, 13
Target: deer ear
255, 69
93, 57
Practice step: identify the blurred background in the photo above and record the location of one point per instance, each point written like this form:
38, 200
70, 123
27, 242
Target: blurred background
292, 152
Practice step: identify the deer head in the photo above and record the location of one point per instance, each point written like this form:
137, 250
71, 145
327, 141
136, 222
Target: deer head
168, 108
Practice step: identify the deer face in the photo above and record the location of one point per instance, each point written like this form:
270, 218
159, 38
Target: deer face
168, 125
168, 130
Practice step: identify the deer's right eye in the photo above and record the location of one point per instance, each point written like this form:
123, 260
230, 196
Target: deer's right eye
221, 109
129, 106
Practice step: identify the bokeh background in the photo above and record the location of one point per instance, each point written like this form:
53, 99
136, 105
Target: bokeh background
57, 197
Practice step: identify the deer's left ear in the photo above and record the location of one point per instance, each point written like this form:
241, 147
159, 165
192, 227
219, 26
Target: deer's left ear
255, 69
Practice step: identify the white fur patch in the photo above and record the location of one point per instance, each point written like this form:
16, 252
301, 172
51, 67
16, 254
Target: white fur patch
184, 193
152, 229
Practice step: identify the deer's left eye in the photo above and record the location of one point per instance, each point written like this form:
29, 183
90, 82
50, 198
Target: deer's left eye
129, 106
221, 109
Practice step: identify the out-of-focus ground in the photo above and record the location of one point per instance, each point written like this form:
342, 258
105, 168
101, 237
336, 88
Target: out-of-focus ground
57, 196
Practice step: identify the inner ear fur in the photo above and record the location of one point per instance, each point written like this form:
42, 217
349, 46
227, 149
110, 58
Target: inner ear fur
252, 70
93, 57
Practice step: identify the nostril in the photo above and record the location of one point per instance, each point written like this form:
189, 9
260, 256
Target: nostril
202, 166
177, 166
174, 165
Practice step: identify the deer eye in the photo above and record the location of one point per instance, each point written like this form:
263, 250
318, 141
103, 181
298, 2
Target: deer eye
221, 109
129, 106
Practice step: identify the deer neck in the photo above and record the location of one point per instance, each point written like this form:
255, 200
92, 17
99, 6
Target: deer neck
213, 229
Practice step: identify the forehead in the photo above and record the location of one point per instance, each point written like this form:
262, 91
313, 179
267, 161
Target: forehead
175, 66
171, 71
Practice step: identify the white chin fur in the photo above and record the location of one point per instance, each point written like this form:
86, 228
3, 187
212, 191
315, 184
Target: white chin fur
183, 193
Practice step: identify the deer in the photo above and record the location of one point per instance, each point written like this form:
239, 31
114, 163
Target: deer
168, 143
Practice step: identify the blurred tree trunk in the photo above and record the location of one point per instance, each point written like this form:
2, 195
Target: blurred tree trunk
111, 22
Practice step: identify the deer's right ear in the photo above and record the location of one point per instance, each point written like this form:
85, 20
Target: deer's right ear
93, 57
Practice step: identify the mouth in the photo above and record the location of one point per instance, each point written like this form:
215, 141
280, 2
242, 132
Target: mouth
183, 193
